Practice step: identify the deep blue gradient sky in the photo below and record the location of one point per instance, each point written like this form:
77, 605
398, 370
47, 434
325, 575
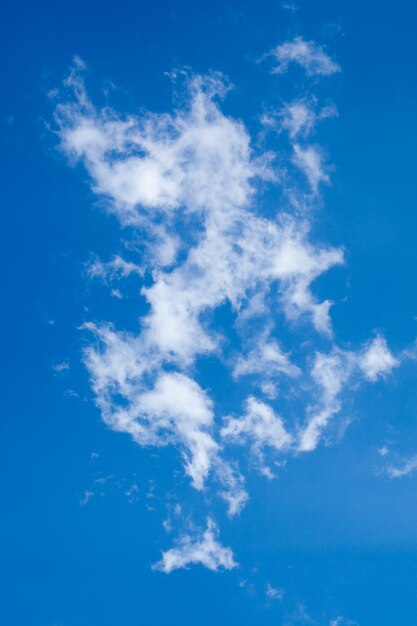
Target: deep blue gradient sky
334, 531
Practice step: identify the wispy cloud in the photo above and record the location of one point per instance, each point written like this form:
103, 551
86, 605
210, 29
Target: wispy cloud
201, 548
259, 426
309, 160
405, 467
332, 372
376, 360
309, 55
289, 6
238, 253
274, 593
116, 268
186, 184
342, 621
61, 368
299, 118
266, 358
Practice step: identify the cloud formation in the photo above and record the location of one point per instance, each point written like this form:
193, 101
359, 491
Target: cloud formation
186, 184
116, 268
309, 55
260, 427
406, 467
376, 359
334, 371
203, 549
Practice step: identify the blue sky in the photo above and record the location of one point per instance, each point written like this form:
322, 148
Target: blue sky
209, 314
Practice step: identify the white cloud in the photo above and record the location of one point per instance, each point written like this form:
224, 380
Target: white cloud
236, 252
178, 405
265, 358
174, 410
116, 293
405, 468
116, 364
116, 268
289, 6
203, 549
62, 367
261, 428
298, 264
273, 593
342, 621
331, 373
185, 183
298, 118
309, 55
235, 256
196, 158
310, 161
233, 486
260, 425
376, 360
